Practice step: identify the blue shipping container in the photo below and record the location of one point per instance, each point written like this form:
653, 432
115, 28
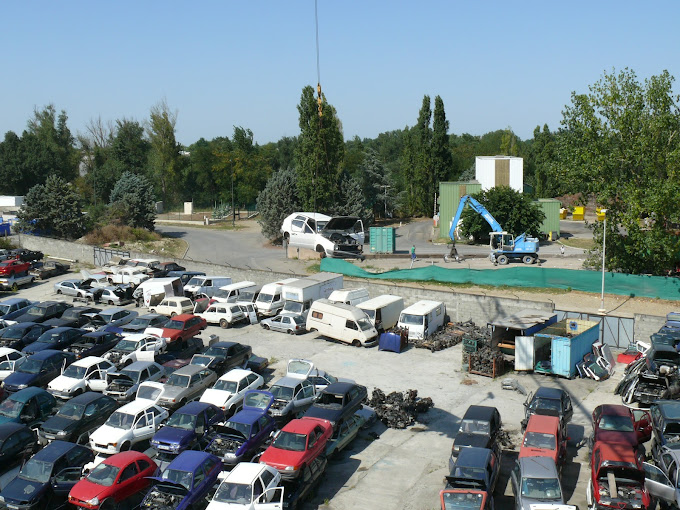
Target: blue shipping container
571, 339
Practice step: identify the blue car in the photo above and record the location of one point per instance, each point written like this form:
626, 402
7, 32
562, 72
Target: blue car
185, 482
46, 479
12, 307
38, 369
245, 432
30, 406
185, 429
55, 338
18, 336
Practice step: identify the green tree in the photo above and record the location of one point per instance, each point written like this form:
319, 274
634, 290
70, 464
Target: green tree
423, 170
277, 200
318, 154
620, 144
442, 160
53, 208
351, 199
133, 201
540, 161
165, 163
514, 211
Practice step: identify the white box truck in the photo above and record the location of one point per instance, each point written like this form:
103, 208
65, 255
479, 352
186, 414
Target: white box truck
153, 291
422, 318
383, 311
349, 296
345, 323
270, 301
300, 294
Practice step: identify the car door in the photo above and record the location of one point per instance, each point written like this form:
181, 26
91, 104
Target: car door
128, 482
658, 484
567, 407
143, 427
643, 425
12, 449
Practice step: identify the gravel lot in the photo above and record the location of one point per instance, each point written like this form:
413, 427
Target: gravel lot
405, 468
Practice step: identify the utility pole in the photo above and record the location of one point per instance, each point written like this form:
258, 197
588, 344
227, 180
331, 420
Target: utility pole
386, 187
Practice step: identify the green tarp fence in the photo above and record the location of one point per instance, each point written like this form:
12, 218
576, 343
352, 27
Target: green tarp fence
658, 287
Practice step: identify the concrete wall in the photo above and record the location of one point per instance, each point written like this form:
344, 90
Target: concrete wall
645, 325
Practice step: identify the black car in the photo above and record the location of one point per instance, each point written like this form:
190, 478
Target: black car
47, 478
17, 443
162, 269
95, 343
180, 349
26, 255
148, 320
337, 402
475, 468
77, 418
17, 336
549, 402
12, 307
73, 317
55, 338
479, 427
666, 425
49, 269
223, 356
44, 311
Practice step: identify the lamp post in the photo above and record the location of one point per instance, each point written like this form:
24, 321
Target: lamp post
386, 187
602, 310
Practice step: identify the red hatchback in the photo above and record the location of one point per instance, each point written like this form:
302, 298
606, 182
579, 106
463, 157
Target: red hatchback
14, 266
183, 326
614, 423
298, 444
544, 437
114, 480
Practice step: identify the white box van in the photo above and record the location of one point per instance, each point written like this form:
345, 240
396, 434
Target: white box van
383, 311
270, 300
229, 293
422, 318
341, 322
207, 285
349, 296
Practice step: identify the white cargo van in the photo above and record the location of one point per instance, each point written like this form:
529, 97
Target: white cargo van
341, 322
422, 318
349, 296
383, 311
270, 300
207, 285
229, 293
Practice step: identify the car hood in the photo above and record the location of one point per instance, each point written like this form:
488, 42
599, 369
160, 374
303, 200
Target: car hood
529, 451
173, 436
466, 439
58, 323
557, 504
85, 490
331, 414
62, 383
276, 457
107, 434
216, 397
57, 423
613, 436
37, 346
170, 392
21, 490
174, 488
19, 378
138, 327
341, 223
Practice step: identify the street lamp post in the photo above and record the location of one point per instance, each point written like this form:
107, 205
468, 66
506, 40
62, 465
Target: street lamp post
385, 186
602, 310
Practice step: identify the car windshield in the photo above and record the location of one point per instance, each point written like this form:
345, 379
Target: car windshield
229, 386
71, 411
104, 474
49, 337
293, 307
222, 294
71, 313
462, 501
291, 441
102, 319
5, 309
75, 372
246, 295
32, 366
216, 351
265, 298
407, 318
14, 333
369, 313
364, 324
201, 360
547, 405
140, 321
243, 428
182, 421
132, 374
539, 440
183, 478
546, 489
617, 423
329, 400
174, 325
474, 427
36, 471
178, 380
120, 420
148, 392
126, 346
195, 281
282, 392
11, 408
37, 311
238, 493
469, 473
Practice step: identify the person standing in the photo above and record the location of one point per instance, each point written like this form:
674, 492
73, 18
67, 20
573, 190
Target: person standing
413, 255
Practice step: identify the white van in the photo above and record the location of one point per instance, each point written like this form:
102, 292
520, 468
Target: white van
422, 318
270, 300
349, 296
383, 311
173, 306
229, 293
341, 322
207, 285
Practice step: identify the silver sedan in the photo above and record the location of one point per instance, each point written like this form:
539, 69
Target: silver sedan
291, 324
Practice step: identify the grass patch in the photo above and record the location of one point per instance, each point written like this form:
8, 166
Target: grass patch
314, 268
578, 242
115, 234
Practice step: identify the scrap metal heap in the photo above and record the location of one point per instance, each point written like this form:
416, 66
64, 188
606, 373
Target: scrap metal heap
653, 377
452, 334
399, 410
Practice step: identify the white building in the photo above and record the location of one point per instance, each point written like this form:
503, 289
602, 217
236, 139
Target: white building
493, 171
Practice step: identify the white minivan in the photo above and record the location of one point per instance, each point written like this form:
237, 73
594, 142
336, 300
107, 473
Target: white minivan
230, 293
383, 311
349, 296
345, 323
270, 299
422, 318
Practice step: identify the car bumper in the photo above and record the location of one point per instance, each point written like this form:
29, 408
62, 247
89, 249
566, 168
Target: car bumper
105, 449
64, 395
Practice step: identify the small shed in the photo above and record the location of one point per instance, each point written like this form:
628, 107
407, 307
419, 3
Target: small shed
523, 323
551, 223
450, 194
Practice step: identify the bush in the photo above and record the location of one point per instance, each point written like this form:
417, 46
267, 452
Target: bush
117, 233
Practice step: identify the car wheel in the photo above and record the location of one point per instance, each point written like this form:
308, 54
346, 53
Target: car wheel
83, 439
528, 259
77, 392
172, 314
151, 310
356, 343
291, 332
125, 446
58, 291
107, 504
224, 323
313, 330
266, 326
110, 302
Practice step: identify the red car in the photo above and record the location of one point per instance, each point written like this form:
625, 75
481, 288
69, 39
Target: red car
613, 423
296, 445
114, 480
544, 437
465, 499
183, 326
14, 266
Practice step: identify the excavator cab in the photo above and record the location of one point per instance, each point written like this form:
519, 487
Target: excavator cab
502, 241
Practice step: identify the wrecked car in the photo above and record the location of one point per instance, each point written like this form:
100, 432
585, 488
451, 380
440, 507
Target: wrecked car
665, 426
618, 424
536, 483
294, 393
337, 402
653, 377
549, 402
340, 236
479, 427
477, 469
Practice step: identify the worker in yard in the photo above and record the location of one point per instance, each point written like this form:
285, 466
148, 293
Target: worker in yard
413, 254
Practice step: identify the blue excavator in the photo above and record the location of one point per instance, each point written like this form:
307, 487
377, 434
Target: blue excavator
504, 246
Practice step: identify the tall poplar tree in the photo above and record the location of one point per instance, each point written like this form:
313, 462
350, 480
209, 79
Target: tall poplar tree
442, 159
424, 194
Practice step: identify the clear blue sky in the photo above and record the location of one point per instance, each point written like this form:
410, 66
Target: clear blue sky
244, 63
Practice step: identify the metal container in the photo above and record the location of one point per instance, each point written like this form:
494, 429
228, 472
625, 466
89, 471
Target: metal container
450, 194
551, 209
383, 239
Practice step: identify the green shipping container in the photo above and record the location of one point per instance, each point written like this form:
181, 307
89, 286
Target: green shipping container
450, 194
551, 223
383, 239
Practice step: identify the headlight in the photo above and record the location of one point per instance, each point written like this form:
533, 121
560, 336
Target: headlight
113, 444
94, 501
290, 468
62, 433
22, 386
175, 446
2, 500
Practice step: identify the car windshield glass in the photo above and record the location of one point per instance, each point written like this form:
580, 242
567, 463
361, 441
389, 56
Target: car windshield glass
178, 380
36, 471
32, 366
49, 338
617, 423
14, 333
102, 319
469, 473
407, 318
293, 307
174, 325
291, 441
37, 311
4, 309
369, 313
104, 474
140, 321
541, 488
71, 411
246, 296
539, 440
75, 372
120, 420
126, 346
364, 324
222, 294
216, 351
195, 281
330, 400
229, 386
148, 392
201, 360
545, 404
71, 314
182, 421
133, 375
474, 426
282, 392
238, 493
265, 298
243, 428
462, 501
183, 478
11, 408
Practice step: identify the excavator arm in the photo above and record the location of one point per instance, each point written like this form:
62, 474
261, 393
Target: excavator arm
477, 207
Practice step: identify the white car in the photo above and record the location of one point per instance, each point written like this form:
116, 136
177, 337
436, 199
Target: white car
10, 360
228, 391
224, 314
86, 374
337, 236
150, 391
131, 424
123, 385
173, 306
135, 347
247, 485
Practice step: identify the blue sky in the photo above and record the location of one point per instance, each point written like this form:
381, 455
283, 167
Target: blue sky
226, 63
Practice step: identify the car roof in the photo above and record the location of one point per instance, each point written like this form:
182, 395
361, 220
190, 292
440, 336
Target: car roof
149, 316
183, 317
189, 369
122, 459
473, 457
546, 392
247, 416
94, 334
10, 428
669, 409
13, 301
302, 425
613, 410
289, 382
194, 408
112, 310
538, 467
88, 361
339, 388
61, 329
71, 280
55, 450
87, 397
4, 351
46, 354
543, 424
189, 460
479, 413
26, 393
135, 406
21, 325
224, 344
245, 472
235, 374
140, 365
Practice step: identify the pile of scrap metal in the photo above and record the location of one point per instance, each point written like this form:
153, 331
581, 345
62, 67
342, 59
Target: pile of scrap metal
399, 410
652, 377
453, 334
486, 361
598, 365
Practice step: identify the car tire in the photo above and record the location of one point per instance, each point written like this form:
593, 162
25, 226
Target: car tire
266, 326
77, 392
125, 446
172, 314
291, 332
356, 343
151, 310
107, 504
111, 302
224, 323
528, 259
313, 330
58, 291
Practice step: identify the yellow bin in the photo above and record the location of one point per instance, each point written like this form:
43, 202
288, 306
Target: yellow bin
600, 214
579, 213
563, 213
